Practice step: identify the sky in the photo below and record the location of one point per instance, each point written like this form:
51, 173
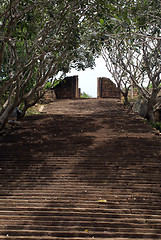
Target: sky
88, 78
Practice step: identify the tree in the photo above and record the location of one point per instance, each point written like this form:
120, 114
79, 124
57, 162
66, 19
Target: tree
134, 33
39, 39
144, 70
120, 76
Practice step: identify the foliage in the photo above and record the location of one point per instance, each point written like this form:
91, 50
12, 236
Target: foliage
131, 44
48, 85
85, 95
44, 38
39, 39
156, 125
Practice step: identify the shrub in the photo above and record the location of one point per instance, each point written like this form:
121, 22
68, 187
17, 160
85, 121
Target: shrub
85, 95
156, 125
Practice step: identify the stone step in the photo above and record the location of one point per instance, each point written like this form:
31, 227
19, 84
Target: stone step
64, 238
63, 218
80, 209
85, 233
59, 183
36, 223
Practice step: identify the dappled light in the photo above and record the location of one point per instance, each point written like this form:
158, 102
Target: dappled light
82, 169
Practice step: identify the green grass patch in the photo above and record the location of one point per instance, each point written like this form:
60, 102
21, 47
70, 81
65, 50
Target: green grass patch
34, 110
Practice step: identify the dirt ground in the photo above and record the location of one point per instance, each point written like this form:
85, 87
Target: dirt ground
82, 169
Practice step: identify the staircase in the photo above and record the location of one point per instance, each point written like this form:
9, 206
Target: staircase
84, 169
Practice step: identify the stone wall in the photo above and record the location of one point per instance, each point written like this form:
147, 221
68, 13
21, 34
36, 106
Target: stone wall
107, 89
68, 88
48, 97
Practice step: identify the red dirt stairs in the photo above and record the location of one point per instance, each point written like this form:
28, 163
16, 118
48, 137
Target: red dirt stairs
84, 169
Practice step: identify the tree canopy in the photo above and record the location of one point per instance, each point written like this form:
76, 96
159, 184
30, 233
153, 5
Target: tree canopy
132, 47
40, 39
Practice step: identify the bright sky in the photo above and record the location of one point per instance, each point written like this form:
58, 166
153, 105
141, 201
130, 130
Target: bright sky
88, 78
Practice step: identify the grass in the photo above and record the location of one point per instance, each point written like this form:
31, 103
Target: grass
34, 110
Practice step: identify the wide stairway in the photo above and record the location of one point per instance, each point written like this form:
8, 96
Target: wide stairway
84, 169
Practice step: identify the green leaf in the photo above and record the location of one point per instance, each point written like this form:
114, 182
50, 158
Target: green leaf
102, 21
115, 16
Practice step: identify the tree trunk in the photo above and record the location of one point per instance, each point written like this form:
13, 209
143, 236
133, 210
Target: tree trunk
150, 112
151, 105
125, 95
5, 115
150, 108
31, 104
151, 116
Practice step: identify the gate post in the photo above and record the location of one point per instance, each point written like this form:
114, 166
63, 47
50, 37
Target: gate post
99, 87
